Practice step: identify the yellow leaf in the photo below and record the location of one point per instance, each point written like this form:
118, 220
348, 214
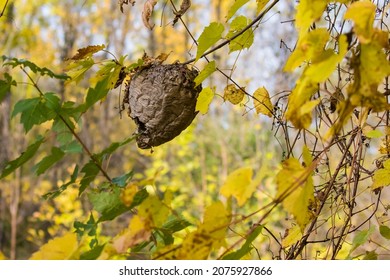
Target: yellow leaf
385, 146
369, 132
196, 246
300, 108
309, 47
261, 4
136, 232
262, 102
323, 64
153, 211
215, 221
296, 190
233, 94
322, 67
204, 99
309, 11
369, 73
210, 234
128, 193
60, 248
2, 256
293, 235
382, 176
363, 14
238, 185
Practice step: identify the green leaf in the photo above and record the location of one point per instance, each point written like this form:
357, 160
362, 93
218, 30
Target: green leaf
204, 99
372, 133
56, 155
63, 187
361, 238
245, 40
371, 255
114, 146
90, 227
205, 73
90, 170
210, 35
233, 9
93, 254
14, 62
36, 110
109, 70
73, 147
176, 224
11, 166
95, 94
77, 69
246, 248
123, 180
5, 86
109, 204
384, 231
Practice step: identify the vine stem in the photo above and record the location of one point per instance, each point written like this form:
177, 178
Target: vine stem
5, 6
257, 19
85, 148
227, 41
303, 242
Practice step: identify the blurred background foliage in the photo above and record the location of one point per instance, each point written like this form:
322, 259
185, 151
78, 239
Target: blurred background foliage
192, 167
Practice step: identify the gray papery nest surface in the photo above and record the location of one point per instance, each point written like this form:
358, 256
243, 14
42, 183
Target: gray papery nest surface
161, 100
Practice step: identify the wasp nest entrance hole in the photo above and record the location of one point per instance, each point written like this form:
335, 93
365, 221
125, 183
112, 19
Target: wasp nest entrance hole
161, 100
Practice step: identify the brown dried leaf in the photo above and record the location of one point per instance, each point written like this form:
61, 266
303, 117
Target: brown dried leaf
162, 57
147, 13
87, 51
125, 2
185, 5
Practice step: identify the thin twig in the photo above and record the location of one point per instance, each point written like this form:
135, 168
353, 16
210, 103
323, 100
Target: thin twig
227, 41
5, 6
91, 156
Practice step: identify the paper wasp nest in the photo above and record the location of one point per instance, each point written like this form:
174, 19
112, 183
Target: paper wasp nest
162, 100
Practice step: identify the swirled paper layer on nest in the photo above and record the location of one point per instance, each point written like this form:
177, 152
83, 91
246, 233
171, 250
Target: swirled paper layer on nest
162, 101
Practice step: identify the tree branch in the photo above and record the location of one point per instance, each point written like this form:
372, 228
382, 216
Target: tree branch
227, 41
85, 148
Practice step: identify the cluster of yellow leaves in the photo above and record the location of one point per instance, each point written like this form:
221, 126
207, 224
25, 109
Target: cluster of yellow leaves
369, 63
311, 48
209, 236
368, 60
